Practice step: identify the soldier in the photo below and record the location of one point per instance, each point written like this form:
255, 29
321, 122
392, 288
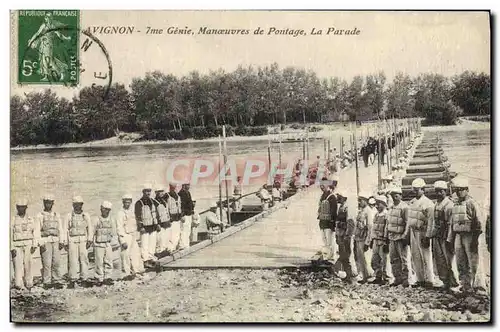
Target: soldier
212, 219
362, 236
174, 210
187, 210
80, 234
344, 227
237, 193
104, 232
420, 219
265, 197
442, 251
465, 229
146, 216
379, 241
126, 227
398, 233
23, 243
52, 241
327, 214
163, 216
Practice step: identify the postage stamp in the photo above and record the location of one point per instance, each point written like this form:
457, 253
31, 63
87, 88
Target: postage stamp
48, 51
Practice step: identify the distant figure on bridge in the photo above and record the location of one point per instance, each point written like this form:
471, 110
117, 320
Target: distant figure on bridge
237, 193
265, 197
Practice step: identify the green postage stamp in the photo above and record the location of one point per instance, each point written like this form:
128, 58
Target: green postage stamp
48, 47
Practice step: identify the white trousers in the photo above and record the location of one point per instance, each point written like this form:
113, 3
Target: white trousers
186, 222
131, 257
148, 246
421, 258
163, 239
175, 235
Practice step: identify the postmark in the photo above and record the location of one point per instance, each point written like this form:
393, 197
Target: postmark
48, 47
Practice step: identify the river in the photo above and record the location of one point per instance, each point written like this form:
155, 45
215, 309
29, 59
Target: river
106, 173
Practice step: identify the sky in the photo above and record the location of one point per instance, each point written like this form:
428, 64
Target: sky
410, 42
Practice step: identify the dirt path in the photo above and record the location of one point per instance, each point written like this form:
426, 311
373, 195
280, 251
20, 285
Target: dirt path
246, 296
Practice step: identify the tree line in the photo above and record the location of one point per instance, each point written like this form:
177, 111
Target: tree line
247, 100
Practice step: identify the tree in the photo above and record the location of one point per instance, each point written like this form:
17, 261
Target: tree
471, 92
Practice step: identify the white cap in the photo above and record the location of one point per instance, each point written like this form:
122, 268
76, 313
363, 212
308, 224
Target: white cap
440, 185
371, 201
77, 199
396, 190
158, 189
127, 196
48, 197
147, 186
418, 183
213, 204
381, 198
364, 195
22, 202
106, 205
460, 182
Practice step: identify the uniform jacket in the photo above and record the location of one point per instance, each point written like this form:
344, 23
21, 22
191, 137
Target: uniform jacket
46, 239
89, 230
333, 204
187, 205
472, 209
425, 205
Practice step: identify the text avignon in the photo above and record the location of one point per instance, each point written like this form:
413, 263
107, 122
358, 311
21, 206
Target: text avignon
111, 30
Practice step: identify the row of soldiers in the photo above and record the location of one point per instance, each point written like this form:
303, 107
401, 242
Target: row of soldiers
163, 224
434, 232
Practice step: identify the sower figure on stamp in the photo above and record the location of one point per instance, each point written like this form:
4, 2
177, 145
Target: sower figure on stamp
362, 236
52, 241
104, 232
128, 234
146, 216
398, 233
174, 210
344, 227
23, 242
379, 242
163, 227
466, 227
442, 251
80, 235
44, 41
421, 219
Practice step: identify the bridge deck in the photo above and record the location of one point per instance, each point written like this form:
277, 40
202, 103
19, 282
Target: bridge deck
287, 238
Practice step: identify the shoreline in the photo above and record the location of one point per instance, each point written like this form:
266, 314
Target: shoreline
117, 142
325, 133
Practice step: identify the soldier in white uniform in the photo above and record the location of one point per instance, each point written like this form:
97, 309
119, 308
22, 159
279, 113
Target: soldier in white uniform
128, 234
398, 233
466, 227
80, 234
163, 227
174, 210
147, 220
23, 243
104, 232
52, 241
442, 251
421, 219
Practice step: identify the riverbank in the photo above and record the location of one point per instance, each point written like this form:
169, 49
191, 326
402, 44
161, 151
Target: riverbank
135, 139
